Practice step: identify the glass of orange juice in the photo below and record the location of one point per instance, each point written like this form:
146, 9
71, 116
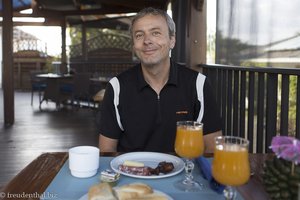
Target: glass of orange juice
189, 145
231, 163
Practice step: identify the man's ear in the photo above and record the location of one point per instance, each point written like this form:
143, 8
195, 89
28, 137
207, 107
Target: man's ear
172, 43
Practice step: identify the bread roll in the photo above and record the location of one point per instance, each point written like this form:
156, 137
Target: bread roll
125, 195
132, 191
102, 191
152, 196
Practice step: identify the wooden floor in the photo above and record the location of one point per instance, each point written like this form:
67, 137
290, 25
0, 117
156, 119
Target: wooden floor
35, 132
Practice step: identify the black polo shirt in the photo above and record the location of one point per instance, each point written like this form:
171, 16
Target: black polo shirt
147, 121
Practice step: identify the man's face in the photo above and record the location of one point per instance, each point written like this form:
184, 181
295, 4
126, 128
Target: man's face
151, 41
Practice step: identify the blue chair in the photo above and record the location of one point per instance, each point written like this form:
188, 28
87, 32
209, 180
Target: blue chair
37, 85
79, 89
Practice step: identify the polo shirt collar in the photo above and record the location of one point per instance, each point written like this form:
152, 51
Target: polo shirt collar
172, 76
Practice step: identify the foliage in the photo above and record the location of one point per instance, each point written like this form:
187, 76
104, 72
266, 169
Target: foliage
293, 101
49, 61
292, 98
230, 50
76, 33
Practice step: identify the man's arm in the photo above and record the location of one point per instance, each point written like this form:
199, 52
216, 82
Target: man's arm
209, 141
107, 144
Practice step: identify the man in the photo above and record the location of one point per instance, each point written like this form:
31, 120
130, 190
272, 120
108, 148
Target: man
142, 105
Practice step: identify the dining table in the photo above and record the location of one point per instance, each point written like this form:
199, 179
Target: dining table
101, 79
53, 89
48, 177
98, 83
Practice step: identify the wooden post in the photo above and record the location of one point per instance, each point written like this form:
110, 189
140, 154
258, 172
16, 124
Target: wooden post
63, 66
180, 11
196, 37
8, 65
84, 43
190, 19
19, 75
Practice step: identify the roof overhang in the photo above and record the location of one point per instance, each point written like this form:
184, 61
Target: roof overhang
90, 12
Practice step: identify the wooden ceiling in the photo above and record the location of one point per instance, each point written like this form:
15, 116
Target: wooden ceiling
80, 11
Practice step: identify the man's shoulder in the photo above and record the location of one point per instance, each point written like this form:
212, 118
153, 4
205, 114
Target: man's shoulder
187, 74
182, 68
129, 73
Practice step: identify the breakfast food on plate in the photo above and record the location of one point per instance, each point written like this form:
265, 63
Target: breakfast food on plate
138, 168
152, 196
164, 167
134, 167
133, 191
110, 177
133, 163
101, 191
140, 171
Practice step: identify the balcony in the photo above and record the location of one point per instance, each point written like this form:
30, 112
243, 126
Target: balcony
257, 102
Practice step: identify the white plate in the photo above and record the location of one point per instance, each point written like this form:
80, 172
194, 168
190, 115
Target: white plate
150, 159
85, 197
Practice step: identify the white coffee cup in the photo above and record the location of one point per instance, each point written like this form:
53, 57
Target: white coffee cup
84, 161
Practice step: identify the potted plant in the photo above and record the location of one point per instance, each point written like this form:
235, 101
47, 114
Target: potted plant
282, 174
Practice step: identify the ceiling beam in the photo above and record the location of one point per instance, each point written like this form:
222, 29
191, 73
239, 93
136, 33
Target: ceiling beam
102, 7
50, 23
137, 4
102, 11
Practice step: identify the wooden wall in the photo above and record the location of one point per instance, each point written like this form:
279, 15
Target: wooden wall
26, 62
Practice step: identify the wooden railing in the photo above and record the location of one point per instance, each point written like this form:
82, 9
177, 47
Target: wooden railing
29, 45
257, 102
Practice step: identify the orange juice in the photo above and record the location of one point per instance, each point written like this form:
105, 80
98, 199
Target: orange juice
231, 164
189, 142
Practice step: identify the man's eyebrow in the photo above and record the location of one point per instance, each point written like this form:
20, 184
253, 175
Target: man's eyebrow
138, 31
155, 28
152, 29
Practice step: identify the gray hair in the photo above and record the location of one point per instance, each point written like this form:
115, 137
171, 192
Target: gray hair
155, 11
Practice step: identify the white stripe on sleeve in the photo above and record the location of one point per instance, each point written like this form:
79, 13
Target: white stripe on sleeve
199, 86
116, 87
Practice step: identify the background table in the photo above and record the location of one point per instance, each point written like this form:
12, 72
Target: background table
54, 82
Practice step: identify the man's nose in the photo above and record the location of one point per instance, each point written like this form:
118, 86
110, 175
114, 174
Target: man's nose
147, 39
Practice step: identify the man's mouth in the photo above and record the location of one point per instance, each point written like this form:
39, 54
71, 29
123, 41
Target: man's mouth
149, 51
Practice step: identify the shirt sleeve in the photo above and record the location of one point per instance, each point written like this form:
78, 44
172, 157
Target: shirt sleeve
211, 118
108, 125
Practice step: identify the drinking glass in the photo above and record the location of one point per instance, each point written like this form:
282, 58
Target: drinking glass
231, 163
189, 145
